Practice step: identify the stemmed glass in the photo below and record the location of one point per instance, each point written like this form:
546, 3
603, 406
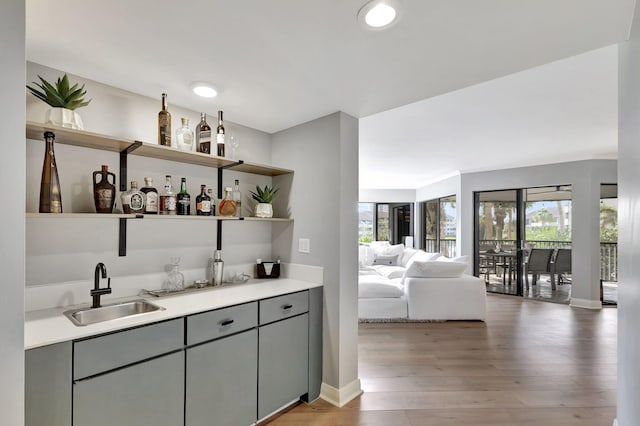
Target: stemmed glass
234, 141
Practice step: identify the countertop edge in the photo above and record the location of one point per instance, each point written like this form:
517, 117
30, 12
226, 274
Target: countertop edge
49, 326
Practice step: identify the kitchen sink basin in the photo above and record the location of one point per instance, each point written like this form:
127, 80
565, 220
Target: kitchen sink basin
86, 316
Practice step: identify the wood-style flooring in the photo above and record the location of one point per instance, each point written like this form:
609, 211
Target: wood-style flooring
530, 363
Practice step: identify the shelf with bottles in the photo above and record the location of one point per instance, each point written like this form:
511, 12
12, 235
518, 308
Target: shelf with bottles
86, 139
150, 216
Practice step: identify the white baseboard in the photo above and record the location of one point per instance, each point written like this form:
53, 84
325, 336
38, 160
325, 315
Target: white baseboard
585, 303
340, 397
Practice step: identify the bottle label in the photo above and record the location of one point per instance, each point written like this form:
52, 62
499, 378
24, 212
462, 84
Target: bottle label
105, 198
136, 203
172, 203
204, 206
205, 136
151, 202
220, 138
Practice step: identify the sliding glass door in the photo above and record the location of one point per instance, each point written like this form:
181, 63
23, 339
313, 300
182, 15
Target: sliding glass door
439, 218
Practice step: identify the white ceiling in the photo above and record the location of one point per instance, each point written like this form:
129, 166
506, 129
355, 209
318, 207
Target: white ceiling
279, 63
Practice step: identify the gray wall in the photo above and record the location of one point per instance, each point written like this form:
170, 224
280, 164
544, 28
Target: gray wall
629, 232
585, 178
12, 169
323, 196
54, 255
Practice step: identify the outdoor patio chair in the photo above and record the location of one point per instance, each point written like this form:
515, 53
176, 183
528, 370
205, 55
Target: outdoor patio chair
561, 265
538, 263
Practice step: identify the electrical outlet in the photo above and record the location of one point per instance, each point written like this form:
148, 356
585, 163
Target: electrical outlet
304, 245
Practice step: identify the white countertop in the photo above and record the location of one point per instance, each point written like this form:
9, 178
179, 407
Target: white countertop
48, 326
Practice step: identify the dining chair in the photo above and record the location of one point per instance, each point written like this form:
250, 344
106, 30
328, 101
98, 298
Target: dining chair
537, 263
561, 265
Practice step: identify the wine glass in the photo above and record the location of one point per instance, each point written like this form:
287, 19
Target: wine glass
234, 141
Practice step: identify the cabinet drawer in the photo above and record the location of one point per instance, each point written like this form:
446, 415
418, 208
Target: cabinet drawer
213, 324
104, 353
285, 306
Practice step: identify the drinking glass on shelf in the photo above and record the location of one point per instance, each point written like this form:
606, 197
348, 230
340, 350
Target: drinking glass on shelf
234, 141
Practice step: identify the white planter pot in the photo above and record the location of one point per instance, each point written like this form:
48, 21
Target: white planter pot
63, 117
264, 210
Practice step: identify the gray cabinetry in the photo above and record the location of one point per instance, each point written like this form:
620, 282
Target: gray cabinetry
283, 365
48, 385
150, 393
222, 381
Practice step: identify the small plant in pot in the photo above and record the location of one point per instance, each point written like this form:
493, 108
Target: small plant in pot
264, 197
63, 98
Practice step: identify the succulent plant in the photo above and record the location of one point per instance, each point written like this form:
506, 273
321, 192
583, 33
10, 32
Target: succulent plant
62, 95
265, 195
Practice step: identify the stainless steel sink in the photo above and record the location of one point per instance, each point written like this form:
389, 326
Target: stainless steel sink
86, 316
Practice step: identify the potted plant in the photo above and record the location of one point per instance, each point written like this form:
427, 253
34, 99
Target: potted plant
264, 197
63, 98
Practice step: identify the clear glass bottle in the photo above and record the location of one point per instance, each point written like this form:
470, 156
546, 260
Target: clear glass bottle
164, 124
203, 135
237, 197
132, 200
227, 207
213, 201
175, 278
168, 199
185, 136
203, 203
150, 196
184, 199
220, 135
50, 194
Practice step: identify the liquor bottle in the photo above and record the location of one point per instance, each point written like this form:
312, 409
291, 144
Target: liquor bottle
150, 196
203, 203
168, 200
227, 206
104, 191
132, 200
213, 201
237, 197
184, 199
50, 195
164, 124
185, 136
220, 135
203, 135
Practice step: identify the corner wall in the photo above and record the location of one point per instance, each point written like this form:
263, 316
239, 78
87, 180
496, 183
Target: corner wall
324, 196
12, 169
629, 229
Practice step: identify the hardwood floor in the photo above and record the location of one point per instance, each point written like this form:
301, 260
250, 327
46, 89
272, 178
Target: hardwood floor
531, 363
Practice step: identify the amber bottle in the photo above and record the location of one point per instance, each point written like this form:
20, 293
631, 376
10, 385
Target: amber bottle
104, 191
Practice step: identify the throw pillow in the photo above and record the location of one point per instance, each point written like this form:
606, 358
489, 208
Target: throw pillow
435, 269
378, 246
386, 260
407, 254
395, 250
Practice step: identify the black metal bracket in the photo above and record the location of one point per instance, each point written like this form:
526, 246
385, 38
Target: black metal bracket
122, 234
123, 163
219, 227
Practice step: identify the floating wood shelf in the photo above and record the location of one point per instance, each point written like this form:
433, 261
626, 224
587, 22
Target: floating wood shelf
149, 217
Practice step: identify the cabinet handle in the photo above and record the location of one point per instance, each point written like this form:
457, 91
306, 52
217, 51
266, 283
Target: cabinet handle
287, 307
224, 323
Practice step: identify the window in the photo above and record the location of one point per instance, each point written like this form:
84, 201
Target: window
439, 218
365, 222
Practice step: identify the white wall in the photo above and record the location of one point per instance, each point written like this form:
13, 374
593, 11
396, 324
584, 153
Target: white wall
12, 40
629, 231
323, 196
585, 178
61, 250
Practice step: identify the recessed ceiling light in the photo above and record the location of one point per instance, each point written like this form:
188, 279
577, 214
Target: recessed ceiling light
379, 14
204, 89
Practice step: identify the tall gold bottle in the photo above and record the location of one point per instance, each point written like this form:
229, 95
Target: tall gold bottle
164, 124
50, 194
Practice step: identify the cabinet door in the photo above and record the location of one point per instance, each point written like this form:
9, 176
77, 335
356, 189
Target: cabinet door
222, 381
48, 385
283, 365
147, 394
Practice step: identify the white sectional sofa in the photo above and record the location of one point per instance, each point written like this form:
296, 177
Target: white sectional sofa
399, 283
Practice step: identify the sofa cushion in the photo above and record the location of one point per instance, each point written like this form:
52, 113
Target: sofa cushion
371, 286
386, 260
459, 259
379, 246
407, 254
390, 271
365, 255
435, 269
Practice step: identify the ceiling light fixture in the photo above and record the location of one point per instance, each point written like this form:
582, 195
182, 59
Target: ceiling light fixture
204, 89
379, 14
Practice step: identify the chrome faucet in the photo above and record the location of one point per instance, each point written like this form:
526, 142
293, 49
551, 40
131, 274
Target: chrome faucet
97, 291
